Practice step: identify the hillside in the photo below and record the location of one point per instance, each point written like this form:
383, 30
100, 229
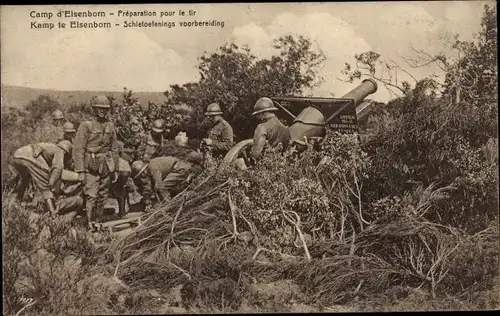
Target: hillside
16, 96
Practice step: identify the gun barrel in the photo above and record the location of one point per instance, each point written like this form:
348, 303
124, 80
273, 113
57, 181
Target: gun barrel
312, 120
358, 94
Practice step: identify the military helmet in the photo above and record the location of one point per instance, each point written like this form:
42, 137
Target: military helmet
58, 115
158, 126
101, 102
66, 146
138, 168
213, 109
263, 105
68, 127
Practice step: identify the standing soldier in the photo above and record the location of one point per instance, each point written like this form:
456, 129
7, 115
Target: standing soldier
220, 138
271, 131
57, 117
95, 154
120, 188
69, 131
134, 149
153, 141
57, 121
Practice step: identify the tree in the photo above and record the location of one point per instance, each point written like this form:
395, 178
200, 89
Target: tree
236, 79
369, 64
439, 134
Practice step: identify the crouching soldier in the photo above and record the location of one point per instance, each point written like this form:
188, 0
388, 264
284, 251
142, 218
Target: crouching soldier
164, 177
96, 156
44, 164
70, 199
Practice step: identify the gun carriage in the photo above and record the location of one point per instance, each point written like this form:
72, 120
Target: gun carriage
339, 114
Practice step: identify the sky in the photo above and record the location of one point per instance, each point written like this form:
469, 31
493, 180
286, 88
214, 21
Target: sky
151, 59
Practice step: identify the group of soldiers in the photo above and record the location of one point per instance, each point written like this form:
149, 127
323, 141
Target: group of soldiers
81, 170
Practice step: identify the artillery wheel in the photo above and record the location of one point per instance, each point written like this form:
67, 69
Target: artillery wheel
239, 151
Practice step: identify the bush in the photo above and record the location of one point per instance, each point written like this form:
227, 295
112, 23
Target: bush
55, 264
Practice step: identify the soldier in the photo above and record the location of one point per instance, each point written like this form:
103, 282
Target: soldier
69, 199
163, 177
57, 117
69, 131
57, 121
154, 141
220, 138
96, 157
271, 131
120, 188
44, 164
134, 150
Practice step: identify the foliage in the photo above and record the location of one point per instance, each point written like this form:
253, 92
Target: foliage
235, 79
21, 127
474, 77
424, 138
50, 262
409, 216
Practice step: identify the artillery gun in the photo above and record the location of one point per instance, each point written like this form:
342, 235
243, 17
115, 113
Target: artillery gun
340, 114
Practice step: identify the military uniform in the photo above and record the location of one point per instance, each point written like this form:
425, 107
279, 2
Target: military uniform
42, 162
270, 133
69, 197
151, 148
96, 152
222, 137
123, 182
164, 175
67, 203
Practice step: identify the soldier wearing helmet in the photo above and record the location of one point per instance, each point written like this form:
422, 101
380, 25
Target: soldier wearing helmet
96, 157
154, 141
43, 163
57, 117
69, 131
163, 177
57, 121
271, 131
134, 147
220, 138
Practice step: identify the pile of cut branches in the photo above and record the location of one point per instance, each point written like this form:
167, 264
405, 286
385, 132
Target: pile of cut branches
278, 222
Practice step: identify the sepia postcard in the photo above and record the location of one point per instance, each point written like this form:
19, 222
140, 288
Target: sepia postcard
249, 157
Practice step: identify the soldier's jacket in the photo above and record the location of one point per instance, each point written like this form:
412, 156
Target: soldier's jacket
94, 143
222, 137
160, 167
50, 153
150, 148
270, 133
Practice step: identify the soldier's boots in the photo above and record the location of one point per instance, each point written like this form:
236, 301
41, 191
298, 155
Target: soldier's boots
121, 207
99, 212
